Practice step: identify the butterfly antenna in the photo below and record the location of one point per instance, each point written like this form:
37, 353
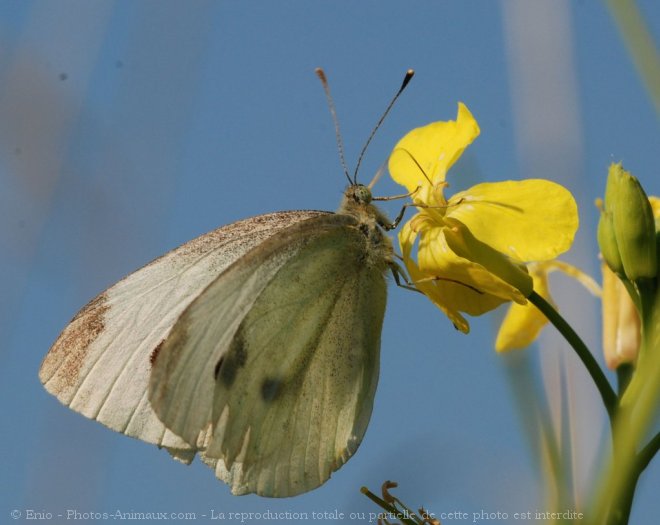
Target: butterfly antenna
416, 163
340, 145
406, 79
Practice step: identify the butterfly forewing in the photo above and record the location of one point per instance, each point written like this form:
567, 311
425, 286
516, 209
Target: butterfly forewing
100, 364
255, 345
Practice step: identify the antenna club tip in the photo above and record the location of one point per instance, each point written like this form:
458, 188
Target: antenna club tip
409, 74
321, 74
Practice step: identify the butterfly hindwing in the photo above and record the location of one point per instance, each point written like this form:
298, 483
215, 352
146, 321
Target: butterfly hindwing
290, 340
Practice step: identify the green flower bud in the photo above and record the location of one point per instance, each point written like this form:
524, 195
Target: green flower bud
605, 234
634, 225
607, 243
611, 188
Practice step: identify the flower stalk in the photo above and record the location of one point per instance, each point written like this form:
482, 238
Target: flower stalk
602, 384
637, 409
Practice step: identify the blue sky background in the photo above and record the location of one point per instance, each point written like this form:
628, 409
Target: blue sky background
127, 128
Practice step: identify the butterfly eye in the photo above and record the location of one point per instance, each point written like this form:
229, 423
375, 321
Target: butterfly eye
361, 194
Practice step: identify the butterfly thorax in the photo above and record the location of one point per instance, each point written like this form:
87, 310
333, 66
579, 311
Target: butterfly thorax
371, 223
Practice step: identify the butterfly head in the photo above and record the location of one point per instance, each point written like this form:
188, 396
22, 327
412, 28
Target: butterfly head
358, 193
358, 203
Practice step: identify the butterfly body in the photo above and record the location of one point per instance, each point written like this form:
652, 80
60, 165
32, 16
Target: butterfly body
255, 346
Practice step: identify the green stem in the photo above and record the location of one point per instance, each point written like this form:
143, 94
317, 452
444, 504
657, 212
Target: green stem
646, 454
628, 492
624, 374
642, 460
625, 504
637, 409
587, 358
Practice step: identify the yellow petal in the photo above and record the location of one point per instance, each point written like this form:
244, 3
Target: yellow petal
407, 237
454, 254
523, 323
529, 220
440, 297
655, 205
423, 156
464, 299
621, 323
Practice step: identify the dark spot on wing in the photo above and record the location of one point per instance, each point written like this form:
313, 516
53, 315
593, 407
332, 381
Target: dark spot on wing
270, 389
154, 354
235, 358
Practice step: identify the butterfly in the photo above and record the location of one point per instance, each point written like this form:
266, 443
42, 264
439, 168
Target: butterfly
255, 346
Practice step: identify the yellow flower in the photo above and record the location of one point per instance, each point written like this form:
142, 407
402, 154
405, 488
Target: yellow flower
523, 322
472, 246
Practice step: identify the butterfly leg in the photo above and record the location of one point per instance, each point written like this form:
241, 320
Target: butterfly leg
399, 275
438, 278
389, 226
399, 217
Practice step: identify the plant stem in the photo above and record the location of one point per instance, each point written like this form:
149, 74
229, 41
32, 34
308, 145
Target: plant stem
620, 512
636, 411
646, 454
642, 461
590, 363
624, 374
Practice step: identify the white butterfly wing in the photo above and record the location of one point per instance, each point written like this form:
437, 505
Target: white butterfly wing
279, 357
100, 364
